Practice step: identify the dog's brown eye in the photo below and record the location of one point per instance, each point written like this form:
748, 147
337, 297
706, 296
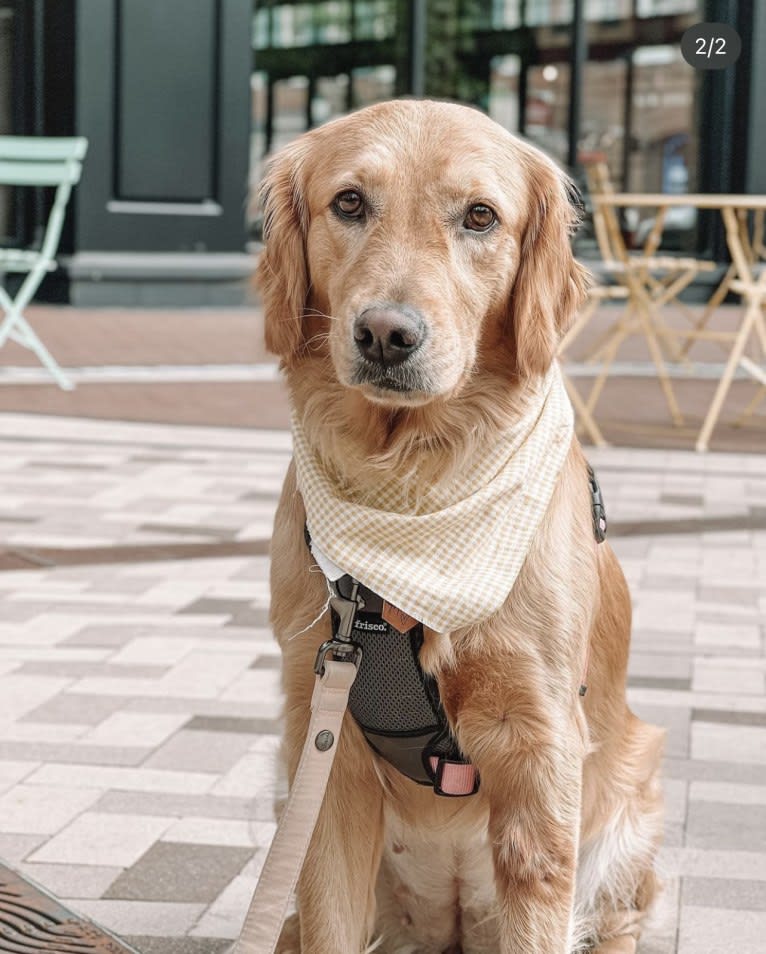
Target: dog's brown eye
349, 204
479, 218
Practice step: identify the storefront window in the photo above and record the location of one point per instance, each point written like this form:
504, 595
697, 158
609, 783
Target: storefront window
602, 127
290, 109
333, 22
547, 108
373, 84
292, 25
548, 12
503, 15
374, 19
608, 11
504, 91
658, 8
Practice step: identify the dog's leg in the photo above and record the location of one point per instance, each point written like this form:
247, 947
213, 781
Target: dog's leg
529, 756
336, 890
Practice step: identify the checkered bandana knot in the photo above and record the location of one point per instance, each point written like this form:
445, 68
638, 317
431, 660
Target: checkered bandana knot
452, 559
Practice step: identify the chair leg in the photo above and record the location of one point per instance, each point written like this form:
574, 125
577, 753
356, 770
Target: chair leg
29, 339
583, 413
645, 317
579, 323
17, 327
753, 310
715, 300
760, 394
598, 384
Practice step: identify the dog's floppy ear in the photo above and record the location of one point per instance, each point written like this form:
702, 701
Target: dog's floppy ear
282, 274
550, 285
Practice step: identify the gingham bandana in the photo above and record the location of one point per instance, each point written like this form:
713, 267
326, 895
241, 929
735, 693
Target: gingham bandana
452, 559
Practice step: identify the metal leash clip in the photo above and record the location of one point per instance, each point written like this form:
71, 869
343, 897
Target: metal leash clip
341, 646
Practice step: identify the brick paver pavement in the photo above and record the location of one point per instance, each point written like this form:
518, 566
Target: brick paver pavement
139, 699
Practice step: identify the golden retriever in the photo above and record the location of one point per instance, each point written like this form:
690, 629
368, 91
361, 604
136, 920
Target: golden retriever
438, 212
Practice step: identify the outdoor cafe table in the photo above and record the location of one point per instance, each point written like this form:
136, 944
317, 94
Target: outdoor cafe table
746, 248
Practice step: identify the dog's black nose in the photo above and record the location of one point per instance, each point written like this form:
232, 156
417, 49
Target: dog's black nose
388, 334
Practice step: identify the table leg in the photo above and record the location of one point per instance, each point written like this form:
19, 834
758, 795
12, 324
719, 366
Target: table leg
583, 413
619, 336
760, 394
579, 323
753, 310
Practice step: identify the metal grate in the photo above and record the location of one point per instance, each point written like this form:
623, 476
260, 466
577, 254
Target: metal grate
33, 922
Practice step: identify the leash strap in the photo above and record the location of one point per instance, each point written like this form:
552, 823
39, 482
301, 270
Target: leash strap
268, 908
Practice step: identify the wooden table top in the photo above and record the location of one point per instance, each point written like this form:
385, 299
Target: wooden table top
700, 200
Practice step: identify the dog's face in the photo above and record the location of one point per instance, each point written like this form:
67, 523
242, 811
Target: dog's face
406, 239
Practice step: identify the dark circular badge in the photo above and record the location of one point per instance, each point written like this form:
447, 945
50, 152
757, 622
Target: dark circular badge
711, 46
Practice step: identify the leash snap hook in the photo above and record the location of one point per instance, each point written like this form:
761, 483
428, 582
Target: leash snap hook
342, 650
346, 610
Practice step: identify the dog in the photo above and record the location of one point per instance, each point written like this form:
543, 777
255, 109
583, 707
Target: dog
416, 278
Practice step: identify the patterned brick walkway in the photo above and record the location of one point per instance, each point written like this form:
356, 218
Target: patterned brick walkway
138, 699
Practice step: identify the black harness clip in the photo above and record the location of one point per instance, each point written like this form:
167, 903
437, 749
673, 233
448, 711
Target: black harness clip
597, 507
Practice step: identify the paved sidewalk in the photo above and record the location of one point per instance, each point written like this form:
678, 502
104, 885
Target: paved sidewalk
139, 699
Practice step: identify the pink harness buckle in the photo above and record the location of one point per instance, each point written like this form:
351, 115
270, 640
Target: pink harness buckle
453, 778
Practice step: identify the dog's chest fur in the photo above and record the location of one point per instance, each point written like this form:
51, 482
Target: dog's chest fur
436, 883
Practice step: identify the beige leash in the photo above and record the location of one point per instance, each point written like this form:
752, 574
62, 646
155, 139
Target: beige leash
268, 908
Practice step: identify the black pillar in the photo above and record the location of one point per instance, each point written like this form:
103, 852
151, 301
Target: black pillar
418, 47
523, 91
577, 57
627, 108
755, 169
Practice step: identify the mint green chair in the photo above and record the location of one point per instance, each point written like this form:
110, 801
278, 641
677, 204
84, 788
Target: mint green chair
37, 161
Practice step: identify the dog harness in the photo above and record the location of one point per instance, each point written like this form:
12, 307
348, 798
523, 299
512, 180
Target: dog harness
395, 703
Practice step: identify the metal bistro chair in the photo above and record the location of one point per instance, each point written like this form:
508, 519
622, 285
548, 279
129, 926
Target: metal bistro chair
36, 162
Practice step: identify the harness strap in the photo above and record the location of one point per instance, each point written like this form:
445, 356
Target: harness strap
268, 908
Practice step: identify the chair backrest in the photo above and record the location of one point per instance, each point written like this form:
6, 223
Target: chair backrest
43, 148
41, 161
32, 161
606, 222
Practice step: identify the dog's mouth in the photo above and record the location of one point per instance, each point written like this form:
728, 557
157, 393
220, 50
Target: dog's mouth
392, 383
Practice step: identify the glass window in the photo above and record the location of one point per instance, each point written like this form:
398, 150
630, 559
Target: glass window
504, 15
503, 104
374, 19
608, 11
657, 8
547, 109
333, 22
664, 142
602, 126
292, 25
290, 110
548, 12
331, 98
373, 84
261, 38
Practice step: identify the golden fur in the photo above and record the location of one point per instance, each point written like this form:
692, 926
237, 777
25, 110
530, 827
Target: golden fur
555, 853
